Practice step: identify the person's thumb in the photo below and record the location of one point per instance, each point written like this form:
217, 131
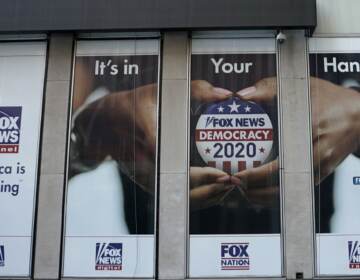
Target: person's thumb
263, 91
216, 94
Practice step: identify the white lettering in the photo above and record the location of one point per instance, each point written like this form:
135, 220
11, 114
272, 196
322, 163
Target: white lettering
216, 64
237, 67
330, 64
342, 66
353, 65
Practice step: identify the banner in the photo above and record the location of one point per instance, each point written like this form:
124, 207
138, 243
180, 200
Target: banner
335, 103
234, 192
22, 72
111, 190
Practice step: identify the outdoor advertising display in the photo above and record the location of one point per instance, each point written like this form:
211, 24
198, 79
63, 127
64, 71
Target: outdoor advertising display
335, 104
22, 72
234, 197
111, 189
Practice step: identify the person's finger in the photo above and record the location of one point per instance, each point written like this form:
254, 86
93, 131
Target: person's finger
215, 94
236, 181
203, 91
208, 191
258, 176
205, 175
223, 179
247, 93
262, 92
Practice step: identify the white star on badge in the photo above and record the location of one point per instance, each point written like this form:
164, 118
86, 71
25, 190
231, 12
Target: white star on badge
221, 109
234, 107
247, 109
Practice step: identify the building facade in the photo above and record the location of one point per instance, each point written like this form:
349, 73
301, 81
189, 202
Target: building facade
179, 139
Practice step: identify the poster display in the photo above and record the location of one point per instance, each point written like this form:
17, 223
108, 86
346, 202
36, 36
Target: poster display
335, 104
111, 189
22, 72
234, 195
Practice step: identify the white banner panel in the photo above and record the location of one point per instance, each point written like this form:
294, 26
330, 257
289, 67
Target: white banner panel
15, 256
122, 256
338, 254
22, 70
334, 45
235, 256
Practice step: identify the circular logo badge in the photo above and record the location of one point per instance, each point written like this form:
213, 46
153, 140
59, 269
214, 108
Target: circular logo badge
234, 135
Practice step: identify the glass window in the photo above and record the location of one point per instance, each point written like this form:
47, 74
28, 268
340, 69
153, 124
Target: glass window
335, 104
22, 72
234, 196
111, 189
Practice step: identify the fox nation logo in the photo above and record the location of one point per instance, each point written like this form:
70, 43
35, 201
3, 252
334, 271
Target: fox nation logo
354, 254
234, 256
2, 255
108, 256
10, 123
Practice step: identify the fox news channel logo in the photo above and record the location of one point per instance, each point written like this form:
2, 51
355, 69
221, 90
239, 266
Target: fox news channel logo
234, 256
2, 255
354, 254
108, 256
10, 123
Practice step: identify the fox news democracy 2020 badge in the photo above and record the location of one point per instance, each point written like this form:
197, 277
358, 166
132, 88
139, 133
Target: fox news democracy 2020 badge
234, 135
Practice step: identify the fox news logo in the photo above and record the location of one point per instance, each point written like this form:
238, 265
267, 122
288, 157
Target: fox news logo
10, 123
108, 256
354, 254
2, 255
234, 256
